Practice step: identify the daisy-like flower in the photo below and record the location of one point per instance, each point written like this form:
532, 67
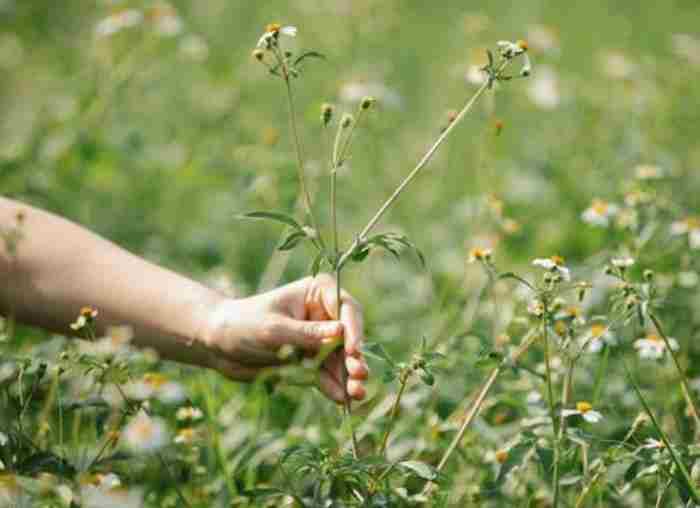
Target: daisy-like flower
599, 213
571, 313
86, 317
584, 410
622, 263
597, 336
554, 264
653, 444
145, 434
186, 436
689, 226
536, 308
189, 413
479, 254
653, 346
165, 19
157, 385
118, 21
510, 49
271, 35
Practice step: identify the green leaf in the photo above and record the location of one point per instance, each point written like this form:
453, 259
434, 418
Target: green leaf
317, 263
292, 240
427, 377
421, 469
272, 216
308, 54
377, 351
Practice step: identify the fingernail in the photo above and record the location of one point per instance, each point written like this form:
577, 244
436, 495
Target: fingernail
332, 330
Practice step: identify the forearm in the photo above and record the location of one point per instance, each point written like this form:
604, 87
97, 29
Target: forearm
59, 267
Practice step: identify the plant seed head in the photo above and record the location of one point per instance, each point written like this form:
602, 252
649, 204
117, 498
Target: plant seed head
326, 113
258, 54
367, 102
648, 275
346, 121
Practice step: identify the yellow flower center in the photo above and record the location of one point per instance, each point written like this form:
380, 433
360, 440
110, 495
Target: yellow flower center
598, 330
693, 223
557, 260
501, 456
522, 44
599, 206
654, 337
583, 407
273, 28
154, 379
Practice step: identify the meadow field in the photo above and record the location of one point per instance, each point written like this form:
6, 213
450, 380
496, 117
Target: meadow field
545, 354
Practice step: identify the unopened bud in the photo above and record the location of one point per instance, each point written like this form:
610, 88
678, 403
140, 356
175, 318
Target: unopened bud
648, 275
326, 113
367, 102
258, 54
346, 121
498, 124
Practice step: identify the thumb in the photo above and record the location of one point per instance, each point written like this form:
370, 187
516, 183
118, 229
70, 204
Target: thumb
309, 335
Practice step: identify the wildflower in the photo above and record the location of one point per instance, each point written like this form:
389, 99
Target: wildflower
689, 226
479, 254
165, 19
653, 444
258, 54
622, 263
543, 38
367, 102
326, 113
498, 124
571, 313
585, 410
536, 308
596, 337
187, 435
475, 75
510, 49
145, 434
617, 65
86, 317
653, 346
526, 69
272, 33
554, 264
100, 497
155, 385
648, 172
501, 456
599, 213
118, 21
189, 413
346, 120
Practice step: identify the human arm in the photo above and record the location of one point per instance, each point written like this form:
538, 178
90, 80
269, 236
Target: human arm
59, 267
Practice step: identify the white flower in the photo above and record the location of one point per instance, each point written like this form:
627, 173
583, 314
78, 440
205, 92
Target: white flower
97, 497
585, 410
625, 262
689, 226
648, 172
653, 347
653, 444
165, 20
617, 65
596, 337
145, 434
189, 413
554, 264
543, 38
475, 75
599, 213
536, 308
272, 32
118, 21
3, 439
543, 90
479, 254
510, 49
155, 385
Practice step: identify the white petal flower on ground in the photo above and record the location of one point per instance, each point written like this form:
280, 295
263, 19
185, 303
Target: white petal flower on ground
599, 213
145, 434
585, 410
653, 346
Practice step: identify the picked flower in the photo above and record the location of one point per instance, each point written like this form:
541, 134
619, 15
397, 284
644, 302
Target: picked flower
584, 410
653, 346
272, 32
599, 213
596, 337
554, 264
145, 434
86, 317
479, 254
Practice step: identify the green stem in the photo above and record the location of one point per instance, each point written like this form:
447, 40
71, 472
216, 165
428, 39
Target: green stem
394, 411
552, 410
414, 173
347, 406
683, 379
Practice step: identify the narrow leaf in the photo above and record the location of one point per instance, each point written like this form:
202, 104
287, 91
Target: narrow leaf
273, 216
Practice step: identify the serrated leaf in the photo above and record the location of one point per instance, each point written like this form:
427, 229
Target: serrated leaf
292, 240
272, 216
421, 469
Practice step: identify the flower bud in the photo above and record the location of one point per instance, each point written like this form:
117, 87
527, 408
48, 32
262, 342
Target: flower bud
648, 275
258, 54
346, 120
367, 102
326, 113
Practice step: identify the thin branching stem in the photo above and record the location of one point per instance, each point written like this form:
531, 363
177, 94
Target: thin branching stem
403, 381
552, 410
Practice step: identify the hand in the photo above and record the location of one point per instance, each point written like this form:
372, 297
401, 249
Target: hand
245, 335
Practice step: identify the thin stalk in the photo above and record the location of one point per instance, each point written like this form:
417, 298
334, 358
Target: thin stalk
552, 411
582, 497
394, 411
683, 379
690, 485
474, 408
414, 173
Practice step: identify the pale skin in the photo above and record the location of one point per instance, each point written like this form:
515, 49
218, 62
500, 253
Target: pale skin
59, 267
